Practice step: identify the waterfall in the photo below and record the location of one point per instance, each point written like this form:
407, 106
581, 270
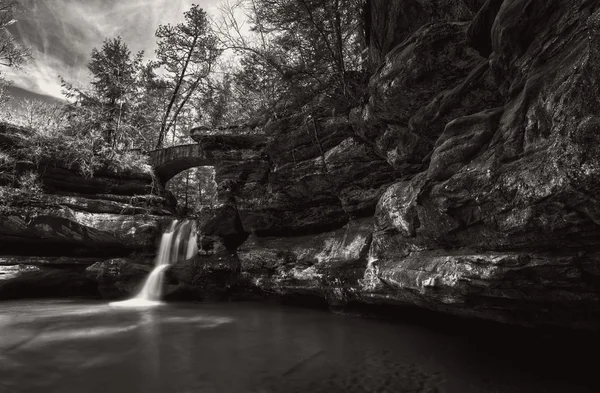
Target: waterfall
177, 243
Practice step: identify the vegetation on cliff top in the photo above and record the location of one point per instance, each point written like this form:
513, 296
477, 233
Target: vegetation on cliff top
253, 59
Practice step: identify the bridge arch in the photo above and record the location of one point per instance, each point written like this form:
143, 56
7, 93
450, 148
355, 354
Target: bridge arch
170, 161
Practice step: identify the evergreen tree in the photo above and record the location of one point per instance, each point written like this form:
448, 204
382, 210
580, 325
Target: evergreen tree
107, 105
115, 74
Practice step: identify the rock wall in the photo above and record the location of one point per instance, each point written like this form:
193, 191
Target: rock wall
465, 184
104, 214
86, 218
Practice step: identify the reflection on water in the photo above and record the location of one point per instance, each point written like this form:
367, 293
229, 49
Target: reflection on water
137, 303
81, 347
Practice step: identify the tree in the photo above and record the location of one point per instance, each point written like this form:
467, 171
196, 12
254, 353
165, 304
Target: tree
107, 104
187, 51
11, 53
294, 49
115, 74
45, 118
148, 106
220, 105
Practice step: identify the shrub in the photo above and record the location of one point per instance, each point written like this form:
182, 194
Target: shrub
28, 189
125, 162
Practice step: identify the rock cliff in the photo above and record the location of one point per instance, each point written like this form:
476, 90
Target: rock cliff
466, 183
106, 213
87, 218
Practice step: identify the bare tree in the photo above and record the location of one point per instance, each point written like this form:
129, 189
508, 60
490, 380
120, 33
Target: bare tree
11, 53
292, 49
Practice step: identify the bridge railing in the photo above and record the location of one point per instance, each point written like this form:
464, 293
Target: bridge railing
242, 129
187, 145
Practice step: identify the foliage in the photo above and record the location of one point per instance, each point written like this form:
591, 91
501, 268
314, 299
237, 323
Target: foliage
195, 190
294, 50
28, 188
219, 109
107, 105
4, 96
147, 107
11, 53
128, 162
60, 136
41, 116
114, 71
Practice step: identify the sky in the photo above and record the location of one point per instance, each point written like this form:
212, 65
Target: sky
62, 34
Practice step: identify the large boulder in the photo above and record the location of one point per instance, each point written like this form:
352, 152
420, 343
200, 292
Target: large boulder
204, 277
327, 266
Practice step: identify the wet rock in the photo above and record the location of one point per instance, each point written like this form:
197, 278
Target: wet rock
327, 265
13, 260
534, 289
119, 278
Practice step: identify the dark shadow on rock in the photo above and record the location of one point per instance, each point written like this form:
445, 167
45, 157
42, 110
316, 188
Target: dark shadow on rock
225, 227
214, 277
48, 283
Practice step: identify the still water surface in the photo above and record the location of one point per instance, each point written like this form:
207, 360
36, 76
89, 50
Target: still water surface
79, 347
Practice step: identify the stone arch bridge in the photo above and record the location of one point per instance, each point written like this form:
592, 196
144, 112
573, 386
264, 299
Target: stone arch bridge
209, 150
170, 161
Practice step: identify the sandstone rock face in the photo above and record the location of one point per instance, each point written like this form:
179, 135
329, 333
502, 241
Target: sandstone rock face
465, 184
98, 217
388, 23
57, 277
105, 214
327, 265
61, 225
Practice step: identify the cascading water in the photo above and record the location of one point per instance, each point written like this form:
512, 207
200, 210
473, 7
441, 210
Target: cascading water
178, 242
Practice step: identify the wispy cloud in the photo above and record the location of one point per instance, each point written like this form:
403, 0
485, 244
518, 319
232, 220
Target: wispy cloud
62, 33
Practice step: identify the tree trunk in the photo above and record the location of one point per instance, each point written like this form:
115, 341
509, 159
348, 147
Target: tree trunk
165, 119
187, 187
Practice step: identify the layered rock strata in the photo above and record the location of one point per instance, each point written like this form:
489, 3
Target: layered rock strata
465, 184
